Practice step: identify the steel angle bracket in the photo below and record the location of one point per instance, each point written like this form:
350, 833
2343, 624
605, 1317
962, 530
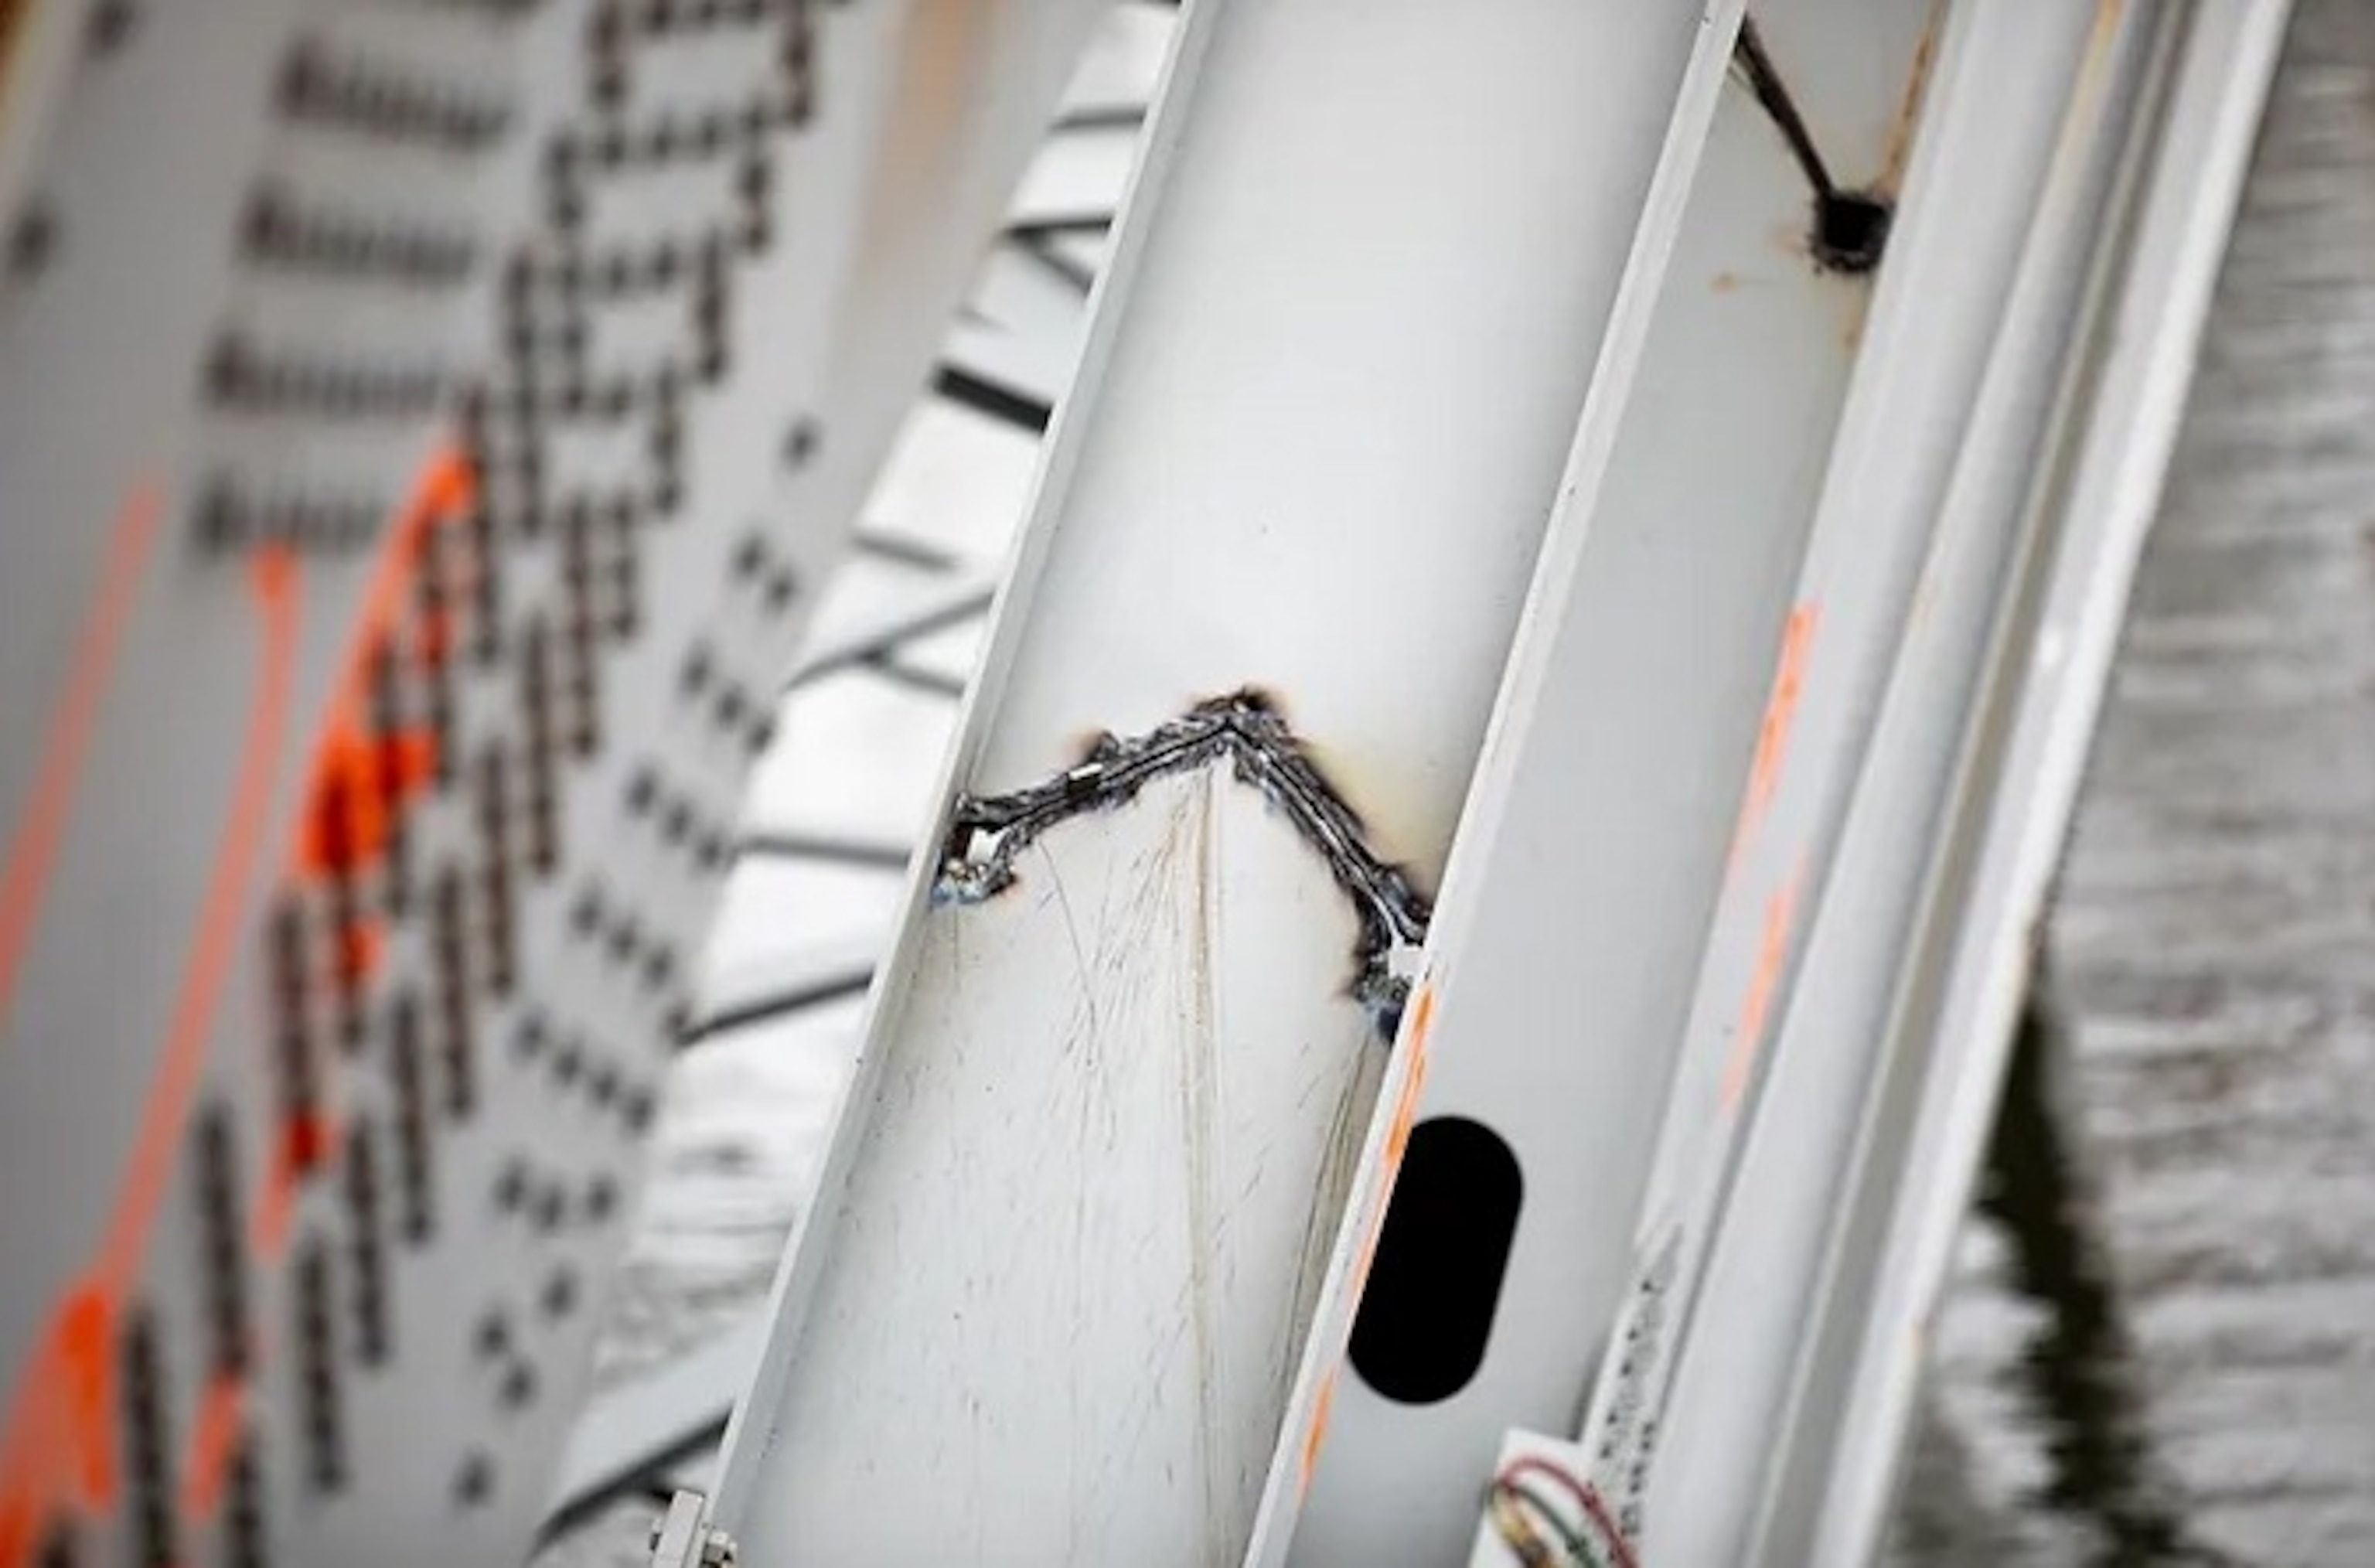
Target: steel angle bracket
1097, 1155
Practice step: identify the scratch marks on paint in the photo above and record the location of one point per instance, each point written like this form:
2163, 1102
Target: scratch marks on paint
987, 833
1198, 1062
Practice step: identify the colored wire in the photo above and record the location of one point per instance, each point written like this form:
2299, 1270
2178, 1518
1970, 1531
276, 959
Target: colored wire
1517, 1531
1595, 1508
1574, 1547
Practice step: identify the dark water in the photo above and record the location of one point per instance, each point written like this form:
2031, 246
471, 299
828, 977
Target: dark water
2162, 1349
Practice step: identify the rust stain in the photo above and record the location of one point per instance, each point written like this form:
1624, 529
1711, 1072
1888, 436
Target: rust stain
930, 102
14, 15
1897, 150
1724, 283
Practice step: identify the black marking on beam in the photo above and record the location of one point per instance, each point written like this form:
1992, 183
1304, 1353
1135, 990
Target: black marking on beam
1060, 225
918, 554
1036, 249
917, 678
1005, 404
986, 835
833, 987
864, 652
876, 854
1101, 117
1850, 227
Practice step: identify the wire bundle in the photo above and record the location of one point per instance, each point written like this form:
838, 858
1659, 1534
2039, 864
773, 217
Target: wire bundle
1540, 1534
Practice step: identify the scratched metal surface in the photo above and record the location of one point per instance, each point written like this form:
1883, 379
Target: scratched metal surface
2213, 978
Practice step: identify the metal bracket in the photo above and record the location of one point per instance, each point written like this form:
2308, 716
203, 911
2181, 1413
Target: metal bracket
685, 1538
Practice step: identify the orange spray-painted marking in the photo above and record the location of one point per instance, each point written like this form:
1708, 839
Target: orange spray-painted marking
219, 927
60, 1442
1398, 1131
61, 1434
306, 1144
34, 846
347, 821
1773, 730
214, 1439
1317, 1433
1772, 952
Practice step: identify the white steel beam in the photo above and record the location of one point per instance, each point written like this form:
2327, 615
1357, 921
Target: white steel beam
1794, 907
1586, 870
1742, 1338
390, 397
1648, 854
1100, 1143
1941, 1059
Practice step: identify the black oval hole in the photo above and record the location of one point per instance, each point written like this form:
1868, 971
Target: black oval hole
1427, 1310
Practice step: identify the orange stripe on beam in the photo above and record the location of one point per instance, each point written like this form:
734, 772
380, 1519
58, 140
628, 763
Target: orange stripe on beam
33, 848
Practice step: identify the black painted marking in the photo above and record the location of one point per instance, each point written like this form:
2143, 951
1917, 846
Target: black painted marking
543, 759
366, 1244
222, 1241
986, 834
32, 243
60, 1547
246, 1541
228, 518
1426, 1312
374, 100
1022, 410
284, 233
148, 1438
474, 1481
497, 917
241, 377
321, 1425
408, 1072
450, 951
291, 967
851, 982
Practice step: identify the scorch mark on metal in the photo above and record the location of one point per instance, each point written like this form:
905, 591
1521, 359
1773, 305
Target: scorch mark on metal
988, 834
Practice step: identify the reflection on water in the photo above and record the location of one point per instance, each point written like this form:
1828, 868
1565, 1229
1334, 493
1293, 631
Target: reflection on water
2078, 1370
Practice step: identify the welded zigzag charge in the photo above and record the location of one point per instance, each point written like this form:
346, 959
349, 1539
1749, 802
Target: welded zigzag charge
987, 833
